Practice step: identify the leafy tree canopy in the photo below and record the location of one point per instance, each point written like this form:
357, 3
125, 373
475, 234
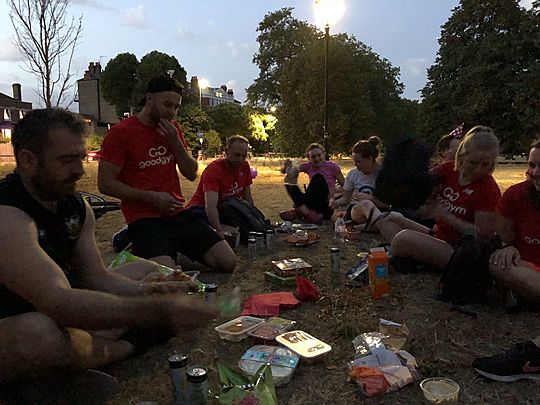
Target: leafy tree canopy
229, 119
118, 81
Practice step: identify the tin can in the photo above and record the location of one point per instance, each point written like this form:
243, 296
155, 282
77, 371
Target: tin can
335, 264
210, 292
252, 234
177, 367
269, 235
252, 249
260, 241
197, 389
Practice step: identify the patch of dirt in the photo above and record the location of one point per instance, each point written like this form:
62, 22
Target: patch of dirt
443, 341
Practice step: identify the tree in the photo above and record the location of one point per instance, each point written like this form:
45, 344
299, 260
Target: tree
486, 72
193, 119
47, 39
155, 64
118, 81
281, 38
229, 119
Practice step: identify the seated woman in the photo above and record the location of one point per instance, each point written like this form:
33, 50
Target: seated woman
323, 175
466, 198
360, 181
517, 265
446, 148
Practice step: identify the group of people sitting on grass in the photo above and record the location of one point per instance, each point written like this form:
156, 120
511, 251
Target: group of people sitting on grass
56, 290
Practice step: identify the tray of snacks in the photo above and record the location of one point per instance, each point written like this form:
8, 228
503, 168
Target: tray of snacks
237, 329
302, 238
282, 361
291, 267
303, 344
271, 328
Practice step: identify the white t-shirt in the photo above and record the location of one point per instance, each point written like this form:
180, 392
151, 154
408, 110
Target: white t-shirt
358, 182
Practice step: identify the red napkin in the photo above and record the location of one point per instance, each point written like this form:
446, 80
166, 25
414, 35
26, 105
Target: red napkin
306, 289
269, 304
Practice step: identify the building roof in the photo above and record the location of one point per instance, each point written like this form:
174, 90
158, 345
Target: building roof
7, 101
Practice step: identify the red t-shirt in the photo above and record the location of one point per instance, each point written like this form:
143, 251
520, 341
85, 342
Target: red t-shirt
462, 201
224, 181
516, 204
146, 163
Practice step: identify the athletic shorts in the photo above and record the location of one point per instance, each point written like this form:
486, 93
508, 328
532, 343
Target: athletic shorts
184, 233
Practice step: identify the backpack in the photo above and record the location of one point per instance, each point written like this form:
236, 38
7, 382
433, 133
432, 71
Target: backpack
247, 218
466, 278
403, 181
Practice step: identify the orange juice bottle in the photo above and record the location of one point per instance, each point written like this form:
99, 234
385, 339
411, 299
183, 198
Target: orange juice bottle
378, 272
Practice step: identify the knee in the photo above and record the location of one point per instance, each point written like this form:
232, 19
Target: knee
228, 262
401, 242
222, 258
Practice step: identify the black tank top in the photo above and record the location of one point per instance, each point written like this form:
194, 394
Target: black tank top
57, 234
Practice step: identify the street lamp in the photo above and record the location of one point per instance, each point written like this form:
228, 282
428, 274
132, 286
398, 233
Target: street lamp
327, 12
203, 84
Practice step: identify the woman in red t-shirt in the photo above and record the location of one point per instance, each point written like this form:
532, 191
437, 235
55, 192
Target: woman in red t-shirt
517, 265
466, 197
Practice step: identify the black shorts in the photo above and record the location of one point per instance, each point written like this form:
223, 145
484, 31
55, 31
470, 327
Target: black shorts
184, 233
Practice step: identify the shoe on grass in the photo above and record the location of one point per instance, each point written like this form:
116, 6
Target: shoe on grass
520, 362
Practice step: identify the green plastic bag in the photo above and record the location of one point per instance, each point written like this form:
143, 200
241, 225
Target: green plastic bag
239, 390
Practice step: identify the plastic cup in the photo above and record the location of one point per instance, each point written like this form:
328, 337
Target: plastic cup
438, 390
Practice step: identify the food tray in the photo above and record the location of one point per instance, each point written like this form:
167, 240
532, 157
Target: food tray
303, 344
271, 328
282, 361
291, 267
302, 240
237, 329
279, 280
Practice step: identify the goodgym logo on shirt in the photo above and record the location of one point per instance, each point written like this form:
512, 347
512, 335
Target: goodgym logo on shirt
158, 156
449, 196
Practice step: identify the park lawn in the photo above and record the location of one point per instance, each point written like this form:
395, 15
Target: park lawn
444, 341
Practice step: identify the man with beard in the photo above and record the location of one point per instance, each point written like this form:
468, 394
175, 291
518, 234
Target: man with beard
222, 179
138, 162
55, 291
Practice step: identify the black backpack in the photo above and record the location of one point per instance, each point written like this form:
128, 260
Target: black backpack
239, 213
466, 278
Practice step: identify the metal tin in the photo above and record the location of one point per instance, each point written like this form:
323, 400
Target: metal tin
177, 367
260, 241
269, 235
335, 259
210, 292
252, 249
197, 390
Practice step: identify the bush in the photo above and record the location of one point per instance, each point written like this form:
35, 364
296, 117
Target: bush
94, 141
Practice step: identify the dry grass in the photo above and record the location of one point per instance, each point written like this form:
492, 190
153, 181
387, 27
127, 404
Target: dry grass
443, 341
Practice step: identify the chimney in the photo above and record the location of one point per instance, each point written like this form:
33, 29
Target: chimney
224, 87
194, 84
17, 91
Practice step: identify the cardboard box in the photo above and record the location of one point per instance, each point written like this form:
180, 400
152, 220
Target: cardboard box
291, 267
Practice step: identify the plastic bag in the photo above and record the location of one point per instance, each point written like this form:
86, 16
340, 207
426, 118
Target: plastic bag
259, 390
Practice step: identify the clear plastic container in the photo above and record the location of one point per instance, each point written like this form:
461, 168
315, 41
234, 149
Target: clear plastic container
237, 329
303, 344
282, 361
439, 390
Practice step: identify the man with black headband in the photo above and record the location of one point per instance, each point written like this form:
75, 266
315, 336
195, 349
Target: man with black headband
138, 164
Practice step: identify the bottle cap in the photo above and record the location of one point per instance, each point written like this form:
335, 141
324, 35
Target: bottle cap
334, 250
178, 360
252, 240
197, 374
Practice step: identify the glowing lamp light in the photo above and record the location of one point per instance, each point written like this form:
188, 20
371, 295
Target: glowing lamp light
328, 12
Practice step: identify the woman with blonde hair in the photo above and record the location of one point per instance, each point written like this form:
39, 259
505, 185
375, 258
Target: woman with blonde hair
466, 197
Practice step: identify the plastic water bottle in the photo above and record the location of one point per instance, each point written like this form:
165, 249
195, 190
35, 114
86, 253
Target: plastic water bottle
340, 230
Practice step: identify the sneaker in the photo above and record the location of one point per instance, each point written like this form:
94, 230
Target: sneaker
121, 240
522, 361
289, 215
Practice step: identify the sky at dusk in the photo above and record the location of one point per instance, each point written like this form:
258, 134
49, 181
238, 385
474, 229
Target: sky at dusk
216, 39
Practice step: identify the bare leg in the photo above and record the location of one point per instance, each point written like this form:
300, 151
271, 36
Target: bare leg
221, 257
58, 348
522, 280
422, 247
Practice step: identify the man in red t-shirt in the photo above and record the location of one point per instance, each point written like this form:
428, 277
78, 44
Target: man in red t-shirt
138, 162
517, 265
223, 178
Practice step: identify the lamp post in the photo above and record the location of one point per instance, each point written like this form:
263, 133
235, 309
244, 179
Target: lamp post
327, 12
203, 84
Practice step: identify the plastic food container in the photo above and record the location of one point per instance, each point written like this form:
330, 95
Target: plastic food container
303, 344
438, 390
237, 329
282, 361
271, 328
